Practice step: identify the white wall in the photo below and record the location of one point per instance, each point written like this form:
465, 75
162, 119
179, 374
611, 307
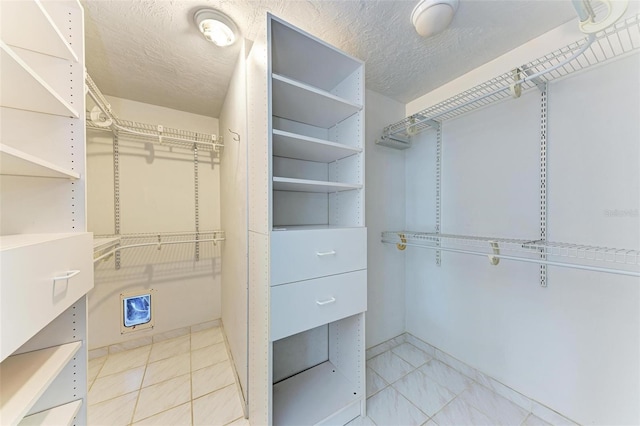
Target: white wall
157, 195
573, 346
233, 198
385, 194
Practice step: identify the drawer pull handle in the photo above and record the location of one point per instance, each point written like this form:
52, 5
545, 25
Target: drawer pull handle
325, 253
326, 302
68, 275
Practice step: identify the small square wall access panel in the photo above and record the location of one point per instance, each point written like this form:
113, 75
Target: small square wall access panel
136, 311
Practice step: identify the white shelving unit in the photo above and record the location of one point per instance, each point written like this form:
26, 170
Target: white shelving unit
17, 163
43, 36
29, 90
61, 416
46, 251
25, 378
313, 162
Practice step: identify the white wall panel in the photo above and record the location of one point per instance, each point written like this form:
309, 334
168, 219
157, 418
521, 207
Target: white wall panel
385, 207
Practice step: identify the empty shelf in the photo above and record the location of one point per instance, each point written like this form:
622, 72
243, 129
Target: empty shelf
306, 58
291, 145
59, 416
28, 90
304, 185
17, 163
25, 377
296, 400
306, 104
27, 24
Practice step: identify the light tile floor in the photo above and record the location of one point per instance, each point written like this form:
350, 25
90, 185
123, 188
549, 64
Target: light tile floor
186, 380
406, 386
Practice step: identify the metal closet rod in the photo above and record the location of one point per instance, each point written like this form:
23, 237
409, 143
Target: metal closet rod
156, 244
521, 259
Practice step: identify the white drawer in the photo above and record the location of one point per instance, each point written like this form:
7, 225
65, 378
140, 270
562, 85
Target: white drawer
301, 255
304, 305
30, 298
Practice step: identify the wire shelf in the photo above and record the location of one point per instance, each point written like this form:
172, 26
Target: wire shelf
617, 40
148, 132
578, 256
103, 250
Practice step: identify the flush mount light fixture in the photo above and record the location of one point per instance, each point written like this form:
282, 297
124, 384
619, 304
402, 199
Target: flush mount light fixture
430, 17
216, 27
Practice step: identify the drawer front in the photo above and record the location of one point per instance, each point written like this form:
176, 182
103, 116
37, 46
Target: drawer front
302, 255
304, 305
30, 298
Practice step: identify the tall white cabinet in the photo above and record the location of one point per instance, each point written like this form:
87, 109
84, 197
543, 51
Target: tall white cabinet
46, 265
307, 235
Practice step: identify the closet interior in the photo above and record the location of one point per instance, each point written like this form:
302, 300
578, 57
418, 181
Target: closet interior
162, 266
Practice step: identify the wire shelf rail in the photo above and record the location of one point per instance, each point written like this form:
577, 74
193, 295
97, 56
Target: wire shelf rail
620, 39
576, 256
148, 132
107, 245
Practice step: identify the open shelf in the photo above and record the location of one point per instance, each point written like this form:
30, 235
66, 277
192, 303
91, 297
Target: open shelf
312, 396
27, 24
306, 104
577, 256
17, 163
304, 185
300, 147
28, 90
25, 377
58, 416
303, 57
617, 40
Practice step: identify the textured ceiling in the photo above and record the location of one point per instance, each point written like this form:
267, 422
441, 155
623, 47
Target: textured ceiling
150, 51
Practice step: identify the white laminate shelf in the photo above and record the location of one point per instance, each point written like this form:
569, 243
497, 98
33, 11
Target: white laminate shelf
17, 163
27, 376
305, 185
300, 147
62, 415
28, 25
312, 396
28, 90
300, 102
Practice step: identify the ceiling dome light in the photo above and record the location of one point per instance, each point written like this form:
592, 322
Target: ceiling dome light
216, 27
433, 16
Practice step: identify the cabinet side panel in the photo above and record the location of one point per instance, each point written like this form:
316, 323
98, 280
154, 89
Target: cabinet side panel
346, 348
259, 397
259, 135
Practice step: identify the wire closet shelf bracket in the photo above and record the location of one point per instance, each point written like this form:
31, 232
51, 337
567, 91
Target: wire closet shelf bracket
107, 120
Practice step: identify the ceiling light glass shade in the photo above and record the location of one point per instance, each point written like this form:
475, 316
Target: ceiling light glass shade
430, 17
216, 27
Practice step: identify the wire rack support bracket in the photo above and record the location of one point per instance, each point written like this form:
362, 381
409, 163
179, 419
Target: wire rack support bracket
543, 182
438, 126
